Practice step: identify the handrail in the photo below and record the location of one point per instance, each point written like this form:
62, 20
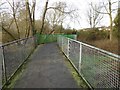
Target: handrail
101, 50
99, 68
15, 41
15, 57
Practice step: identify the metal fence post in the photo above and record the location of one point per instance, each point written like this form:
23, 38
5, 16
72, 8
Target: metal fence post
75, 37
4, 65
80, 57
58, 40
62, 43
68, 47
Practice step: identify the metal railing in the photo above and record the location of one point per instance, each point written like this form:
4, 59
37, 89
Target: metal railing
99, 68
13, 54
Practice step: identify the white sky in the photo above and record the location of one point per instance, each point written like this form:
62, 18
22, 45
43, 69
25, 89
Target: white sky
82, 5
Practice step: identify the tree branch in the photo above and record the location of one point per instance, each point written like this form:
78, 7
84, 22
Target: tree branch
8, 33
99, 11
43, 18
61, 10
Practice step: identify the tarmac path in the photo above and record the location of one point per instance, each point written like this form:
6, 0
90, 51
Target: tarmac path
47, 69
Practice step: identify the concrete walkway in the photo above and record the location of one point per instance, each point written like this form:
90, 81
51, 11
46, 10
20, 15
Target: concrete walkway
46, 69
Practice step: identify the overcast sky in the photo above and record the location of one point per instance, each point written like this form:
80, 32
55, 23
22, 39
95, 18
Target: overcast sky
81, 5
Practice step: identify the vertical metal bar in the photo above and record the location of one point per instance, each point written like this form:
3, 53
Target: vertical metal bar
35, 41
62, 43
75, 37
68, 47
80, 57
4, 65
57, 40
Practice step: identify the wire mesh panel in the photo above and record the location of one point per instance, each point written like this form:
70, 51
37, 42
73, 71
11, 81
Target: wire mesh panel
65, 46
101, 69
28, 46
90, 64
74, 53
59, 40
15, 54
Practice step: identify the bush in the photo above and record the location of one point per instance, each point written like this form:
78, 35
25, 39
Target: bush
92, 35
111, 46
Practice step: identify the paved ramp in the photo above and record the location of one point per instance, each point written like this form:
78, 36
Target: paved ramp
46, 69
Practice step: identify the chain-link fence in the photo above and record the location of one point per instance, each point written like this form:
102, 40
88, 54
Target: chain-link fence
101, 69
14, 54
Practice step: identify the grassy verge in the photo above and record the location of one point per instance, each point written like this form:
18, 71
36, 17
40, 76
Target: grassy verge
80, 82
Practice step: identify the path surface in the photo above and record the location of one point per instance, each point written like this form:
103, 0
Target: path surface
47, 69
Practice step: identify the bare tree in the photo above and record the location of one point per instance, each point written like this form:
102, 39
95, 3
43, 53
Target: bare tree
58, 7
6, 26
18, 14
56, 17
14, 6
93, 17
31, 20
109, 11
33, 14
43, 18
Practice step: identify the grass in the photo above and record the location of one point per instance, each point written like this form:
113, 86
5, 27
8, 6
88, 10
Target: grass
80, 82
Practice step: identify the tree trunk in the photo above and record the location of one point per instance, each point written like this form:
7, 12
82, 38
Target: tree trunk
14, 16
27, 27
119, 31
8, 33
30, 18
111, 28
31, 21
111, 23
33, 13
17, 26
43, 18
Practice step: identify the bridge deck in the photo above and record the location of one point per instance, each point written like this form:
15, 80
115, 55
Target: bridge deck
47, 69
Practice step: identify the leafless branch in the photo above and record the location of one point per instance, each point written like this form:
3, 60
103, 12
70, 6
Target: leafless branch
61, 10
8, 33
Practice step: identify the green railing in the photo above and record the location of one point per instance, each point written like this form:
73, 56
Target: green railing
44, 38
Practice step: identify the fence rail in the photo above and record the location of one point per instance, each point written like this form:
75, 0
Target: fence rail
13, 54
101, 69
